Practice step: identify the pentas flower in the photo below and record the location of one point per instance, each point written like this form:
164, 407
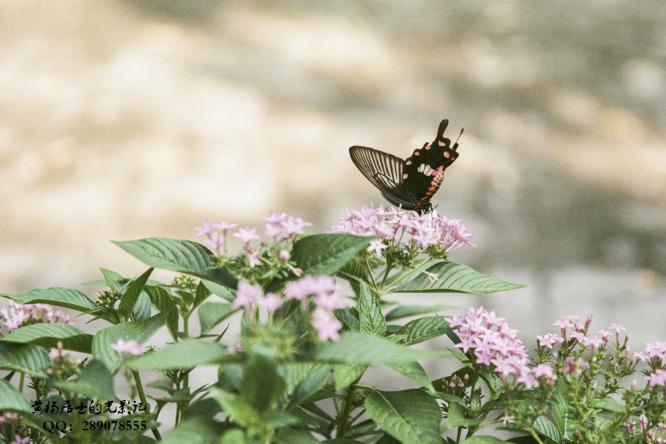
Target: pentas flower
16, 315
493, 343
326, 295
549, 339
8, 417
247, 295
247, 235
215, 234
130, 347
658, 378
394, 227
327, 326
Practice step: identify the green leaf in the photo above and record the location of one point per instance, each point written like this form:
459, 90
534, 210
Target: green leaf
233, 436
95, 382
161, 299
458, 278
408, 415
346, 375
236, 407
30, 359
422, 329
291, 436
180, 355
458, 418
183, 256
370, 314
415, 372
546, 427
200, 295
195, 430
142, 309
483, 439
262, 385
11, 399
304, 379
608, 404
349, 317
59, 297
212, 313
113, 280
366, 349
219, 290
139, 331
48, 335
134, 289
326, 253
405, 311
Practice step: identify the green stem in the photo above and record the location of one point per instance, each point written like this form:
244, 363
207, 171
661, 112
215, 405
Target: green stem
21, 381
536, 437
343, 417
142, 397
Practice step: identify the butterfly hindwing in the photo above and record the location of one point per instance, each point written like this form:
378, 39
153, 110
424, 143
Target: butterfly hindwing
384, 171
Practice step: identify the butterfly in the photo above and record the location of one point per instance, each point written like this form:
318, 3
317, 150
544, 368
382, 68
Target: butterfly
412, 182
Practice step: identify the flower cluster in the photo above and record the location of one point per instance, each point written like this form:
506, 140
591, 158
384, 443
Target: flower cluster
62, 365
16, 315
273, 249
279, 227
394, 227
493, 343
325, 295
655, 356
130, 347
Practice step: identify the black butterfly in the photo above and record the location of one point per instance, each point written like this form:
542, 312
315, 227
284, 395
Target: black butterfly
412, 182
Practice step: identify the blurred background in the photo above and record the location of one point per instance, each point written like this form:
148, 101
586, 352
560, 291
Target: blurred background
122, 119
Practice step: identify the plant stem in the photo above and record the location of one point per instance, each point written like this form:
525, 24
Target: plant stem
344, 414
142, 397
21, 381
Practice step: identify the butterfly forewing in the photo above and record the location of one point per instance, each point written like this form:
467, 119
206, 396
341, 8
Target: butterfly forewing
384, 171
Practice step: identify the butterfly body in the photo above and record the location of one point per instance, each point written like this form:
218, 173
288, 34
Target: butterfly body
412, 182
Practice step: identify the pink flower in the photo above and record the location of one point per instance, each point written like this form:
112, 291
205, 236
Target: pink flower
493, 343
58, 353
270, 302
20, 440
328, 328
16, 315
246, 295
643, 421
566, 322
8, 417
130, 347
594, 342
281, 226
377, 246
253, 258
247, 235
405, 228
549, 339
658, 378
545, 372
206, 229
617, 328
284, 255
225, 226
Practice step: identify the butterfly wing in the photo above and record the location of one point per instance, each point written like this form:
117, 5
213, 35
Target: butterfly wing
384, 171
424, 169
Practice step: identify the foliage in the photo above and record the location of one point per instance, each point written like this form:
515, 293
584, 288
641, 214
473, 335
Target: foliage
314, 318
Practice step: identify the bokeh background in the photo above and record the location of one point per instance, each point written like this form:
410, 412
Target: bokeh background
122, 119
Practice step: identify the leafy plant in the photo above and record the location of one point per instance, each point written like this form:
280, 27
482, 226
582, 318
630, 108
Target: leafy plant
314, 317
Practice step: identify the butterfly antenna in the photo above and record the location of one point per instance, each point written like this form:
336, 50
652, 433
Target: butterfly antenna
455, 144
